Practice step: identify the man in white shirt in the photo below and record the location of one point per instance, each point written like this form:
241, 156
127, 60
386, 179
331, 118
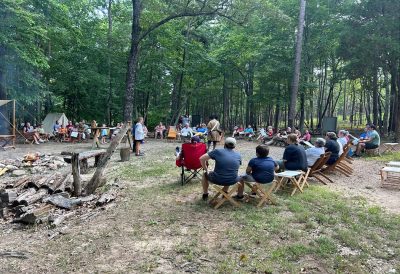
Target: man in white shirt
187, 132
314, 153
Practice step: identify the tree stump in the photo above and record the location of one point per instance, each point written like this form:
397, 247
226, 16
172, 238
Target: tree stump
125, 154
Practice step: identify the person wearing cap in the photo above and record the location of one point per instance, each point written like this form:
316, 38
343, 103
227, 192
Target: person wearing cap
227, 163
294, 156
372, 141
260, 169
332, 146
314, 153
179, 152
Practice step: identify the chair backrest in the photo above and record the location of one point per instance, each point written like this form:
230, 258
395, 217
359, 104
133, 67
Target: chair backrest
192, 154
321, 161
172, 132
341, 157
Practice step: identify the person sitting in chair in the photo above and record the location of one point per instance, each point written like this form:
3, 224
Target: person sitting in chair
372, 141
56, 128
260, 169
179, 152
294, 156
187, 132
160, 131
332, 146
314, 153
249, 132
237, 131
227, 163
42, 134
29, 131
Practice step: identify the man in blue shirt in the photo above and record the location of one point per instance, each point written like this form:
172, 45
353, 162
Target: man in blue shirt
260, 169
227, 162
294, 156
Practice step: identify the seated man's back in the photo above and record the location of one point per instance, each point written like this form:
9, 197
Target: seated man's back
262, 169
295, 157
227, 162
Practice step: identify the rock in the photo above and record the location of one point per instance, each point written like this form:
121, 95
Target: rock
11, 167
38, 169
18, 172
2, 165
52, 166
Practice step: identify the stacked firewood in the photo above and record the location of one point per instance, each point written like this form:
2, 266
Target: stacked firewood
45, 199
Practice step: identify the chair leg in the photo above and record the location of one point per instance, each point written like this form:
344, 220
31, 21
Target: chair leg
226, 196
182, 175
267, 195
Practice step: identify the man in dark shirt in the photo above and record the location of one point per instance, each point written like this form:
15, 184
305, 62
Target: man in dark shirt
227, 162
294, 156
332, 146
260, 169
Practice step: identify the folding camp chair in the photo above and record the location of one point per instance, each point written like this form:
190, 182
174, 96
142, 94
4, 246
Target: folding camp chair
340, 165
264, 195
315, 169
302, 182
172, 133
190, 160
297, 178
226, 196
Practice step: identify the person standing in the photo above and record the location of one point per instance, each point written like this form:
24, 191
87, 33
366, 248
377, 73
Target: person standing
139, 136
214, 131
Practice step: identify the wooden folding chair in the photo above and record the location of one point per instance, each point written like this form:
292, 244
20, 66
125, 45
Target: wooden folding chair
28, 138
315, 169
264, 195
172, 133
302, 182
225, 196
340, 165
292, 176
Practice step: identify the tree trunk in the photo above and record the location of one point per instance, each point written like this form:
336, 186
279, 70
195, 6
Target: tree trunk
131, 73
98, 178
109, 53
225, 94
344, 101
387, 104
296, 74
375, 99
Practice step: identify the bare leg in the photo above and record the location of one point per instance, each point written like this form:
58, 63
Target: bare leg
137, 148
241, 188
359, 148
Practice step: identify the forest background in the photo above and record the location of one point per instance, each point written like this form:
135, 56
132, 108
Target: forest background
114, 60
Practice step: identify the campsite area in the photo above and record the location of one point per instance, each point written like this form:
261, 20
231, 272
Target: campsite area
156, 225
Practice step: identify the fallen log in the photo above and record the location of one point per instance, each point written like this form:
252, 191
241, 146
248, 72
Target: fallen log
61, 186
33, 216
62, 202
106, 197
7, 196
18, 183
29, 200
36, 183
30, 191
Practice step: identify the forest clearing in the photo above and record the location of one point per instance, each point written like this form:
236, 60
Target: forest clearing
200, 136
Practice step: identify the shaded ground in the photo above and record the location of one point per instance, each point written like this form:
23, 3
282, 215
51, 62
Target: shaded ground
158, 226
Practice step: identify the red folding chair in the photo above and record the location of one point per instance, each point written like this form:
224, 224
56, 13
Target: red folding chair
190, 160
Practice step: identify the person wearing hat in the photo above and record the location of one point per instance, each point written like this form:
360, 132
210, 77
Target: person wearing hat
332, 146
372, 141
314, 153
227, 163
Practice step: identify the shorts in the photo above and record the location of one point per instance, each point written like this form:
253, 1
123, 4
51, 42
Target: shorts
370, 146
250, 179
212, 177
139, 141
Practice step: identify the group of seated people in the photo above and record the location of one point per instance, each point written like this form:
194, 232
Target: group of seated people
186, 132
37, 133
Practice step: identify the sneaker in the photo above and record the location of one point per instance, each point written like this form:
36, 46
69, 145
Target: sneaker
253, 195
205, 196
177, 151
41, 141
140, 154
37, 143
237, 197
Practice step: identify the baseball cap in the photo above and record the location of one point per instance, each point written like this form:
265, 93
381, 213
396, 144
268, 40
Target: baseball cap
230, 140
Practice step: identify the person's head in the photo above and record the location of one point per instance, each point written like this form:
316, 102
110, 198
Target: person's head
230, 143
342, 133
289, 129
69, 122
269, 127
262, 151
140, 120
331, 136
306, 131
186, 125
292, 138
320, 142
57, 123
40, 125
118, 124
104, 125
372, 127
27, 124
160, 123
249, 126
195, 139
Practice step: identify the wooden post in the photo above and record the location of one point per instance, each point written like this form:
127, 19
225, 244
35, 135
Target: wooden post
76, 174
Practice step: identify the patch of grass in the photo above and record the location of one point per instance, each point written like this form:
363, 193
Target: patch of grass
324, 246
385, 157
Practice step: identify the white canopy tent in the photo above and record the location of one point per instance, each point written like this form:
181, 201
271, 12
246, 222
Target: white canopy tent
51, 119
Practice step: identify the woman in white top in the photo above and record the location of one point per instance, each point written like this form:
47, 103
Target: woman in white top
139, 136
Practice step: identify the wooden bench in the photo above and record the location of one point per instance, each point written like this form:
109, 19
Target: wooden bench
7, 141
81, 158
390, 176
390, 147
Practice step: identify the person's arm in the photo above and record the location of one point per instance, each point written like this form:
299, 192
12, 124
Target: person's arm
203, 160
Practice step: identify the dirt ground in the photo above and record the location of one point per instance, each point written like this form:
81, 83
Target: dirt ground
158, 226
365, 181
